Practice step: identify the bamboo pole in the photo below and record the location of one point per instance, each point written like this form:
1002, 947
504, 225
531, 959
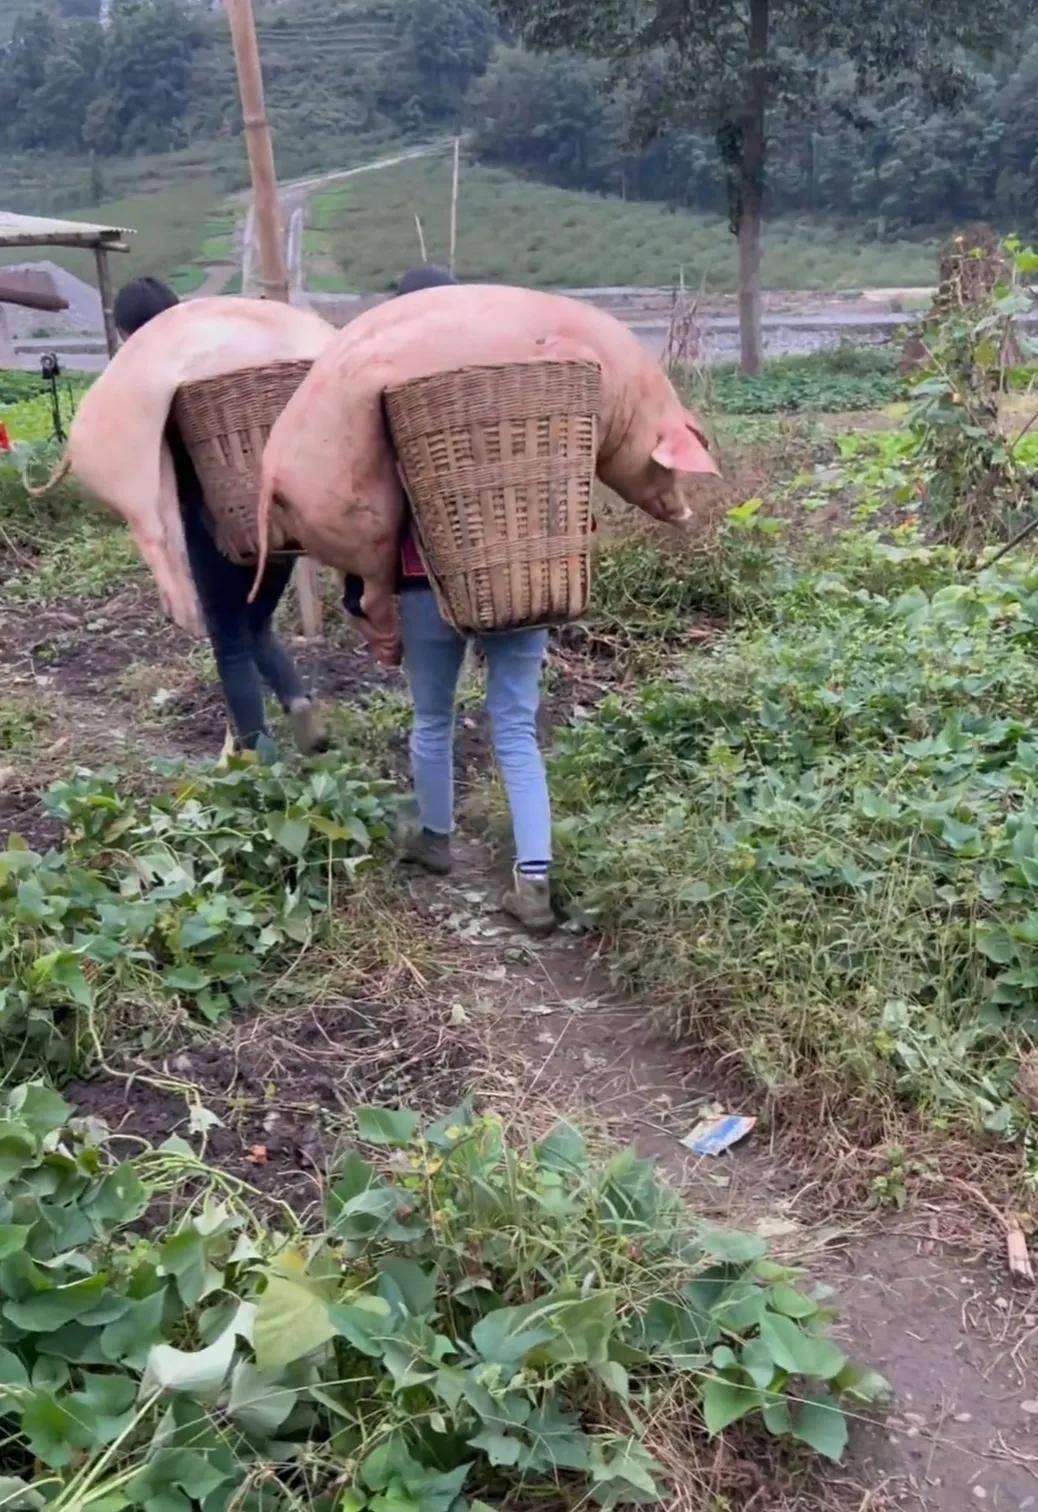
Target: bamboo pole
454, 201
269, 230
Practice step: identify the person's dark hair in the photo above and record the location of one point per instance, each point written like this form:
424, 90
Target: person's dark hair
428, 276
138, 302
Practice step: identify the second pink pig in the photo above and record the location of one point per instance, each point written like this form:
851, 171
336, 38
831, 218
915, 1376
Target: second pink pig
331, 461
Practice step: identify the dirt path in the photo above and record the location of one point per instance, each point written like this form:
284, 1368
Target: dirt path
957, 1344
217, 277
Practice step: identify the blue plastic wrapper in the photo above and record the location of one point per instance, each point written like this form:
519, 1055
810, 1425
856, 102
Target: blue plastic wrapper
712, 1136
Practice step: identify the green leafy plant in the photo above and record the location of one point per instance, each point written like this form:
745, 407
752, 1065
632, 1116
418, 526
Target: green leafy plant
473, 1320
849, 379
968, 472
816, 845
187, 894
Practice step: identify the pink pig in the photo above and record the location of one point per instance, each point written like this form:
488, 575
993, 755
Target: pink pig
330, 458
116, 446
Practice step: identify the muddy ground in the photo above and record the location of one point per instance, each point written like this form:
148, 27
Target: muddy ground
461, 1002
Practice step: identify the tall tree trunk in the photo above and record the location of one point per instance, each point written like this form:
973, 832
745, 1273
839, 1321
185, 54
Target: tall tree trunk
750, 335
752, 190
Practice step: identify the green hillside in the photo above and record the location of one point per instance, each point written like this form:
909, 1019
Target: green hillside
349, 81
526, 232
362, 235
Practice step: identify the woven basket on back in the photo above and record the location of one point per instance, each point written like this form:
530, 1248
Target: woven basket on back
499, 464
224, 423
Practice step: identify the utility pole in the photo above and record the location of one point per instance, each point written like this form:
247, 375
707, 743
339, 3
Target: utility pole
266, 219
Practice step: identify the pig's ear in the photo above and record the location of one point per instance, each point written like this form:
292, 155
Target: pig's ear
682, 447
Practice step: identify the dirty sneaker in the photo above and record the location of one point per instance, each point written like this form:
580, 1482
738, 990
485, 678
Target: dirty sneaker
309, 729
425, 848
529, 901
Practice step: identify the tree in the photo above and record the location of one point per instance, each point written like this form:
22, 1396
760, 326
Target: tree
545, 116
145, 77
33, 41
730, 64
445, 44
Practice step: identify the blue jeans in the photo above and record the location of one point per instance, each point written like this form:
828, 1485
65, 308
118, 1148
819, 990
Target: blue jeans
247, 651
433, 656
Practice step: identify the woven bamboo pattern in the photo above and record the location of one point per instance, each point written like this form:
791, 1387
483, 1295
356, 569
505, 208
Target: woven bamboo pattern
224, 423
499, 464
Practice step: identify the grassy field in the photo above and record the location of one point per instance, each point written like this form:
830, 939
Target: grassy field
362, 233
516, 229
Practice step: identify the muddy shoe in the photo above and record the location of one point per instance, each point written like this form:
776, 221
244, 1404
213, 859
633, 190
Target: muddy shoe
311, 734
427, 849
529, 901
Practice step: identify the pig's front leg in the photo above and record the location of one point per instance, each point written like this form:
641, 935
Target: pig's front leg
381, 623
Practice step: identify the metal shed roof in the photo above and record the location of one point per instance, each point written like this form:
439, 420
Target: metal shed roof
42, 231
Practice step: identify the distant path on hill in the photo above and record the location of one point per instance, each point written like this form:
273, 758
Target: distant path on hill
294, 196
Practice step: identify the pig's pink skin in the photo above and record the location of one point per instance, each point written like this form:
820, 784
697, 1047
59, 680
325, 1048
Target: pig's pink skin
330, 459
116, 442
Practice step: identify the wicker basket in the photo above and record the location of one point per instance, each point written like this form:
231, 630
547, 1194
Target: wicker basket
499, 464
224, 423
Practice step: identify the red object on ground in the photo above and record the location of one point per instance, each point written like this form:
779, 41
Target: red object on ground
5, 440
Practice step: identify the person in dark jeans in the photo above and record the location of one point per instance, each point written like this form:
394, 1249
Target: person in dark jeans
247, 651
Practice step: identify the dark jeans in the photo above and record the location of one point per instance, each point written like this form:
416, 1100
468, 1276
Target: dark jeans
247, 651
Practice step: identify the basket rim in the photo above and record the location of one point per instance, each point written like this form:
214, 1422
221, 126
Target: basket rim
251, 367
472, 368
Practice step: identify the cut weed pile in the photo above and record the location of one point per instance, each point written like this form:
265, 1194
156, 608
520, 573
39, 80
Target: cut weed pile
188, 895
466, 1319
30, 527
817, 850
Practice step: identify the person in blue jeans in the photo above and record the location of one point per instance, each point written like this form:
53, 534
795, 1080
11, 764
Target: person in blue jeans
246, 649
434, 653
